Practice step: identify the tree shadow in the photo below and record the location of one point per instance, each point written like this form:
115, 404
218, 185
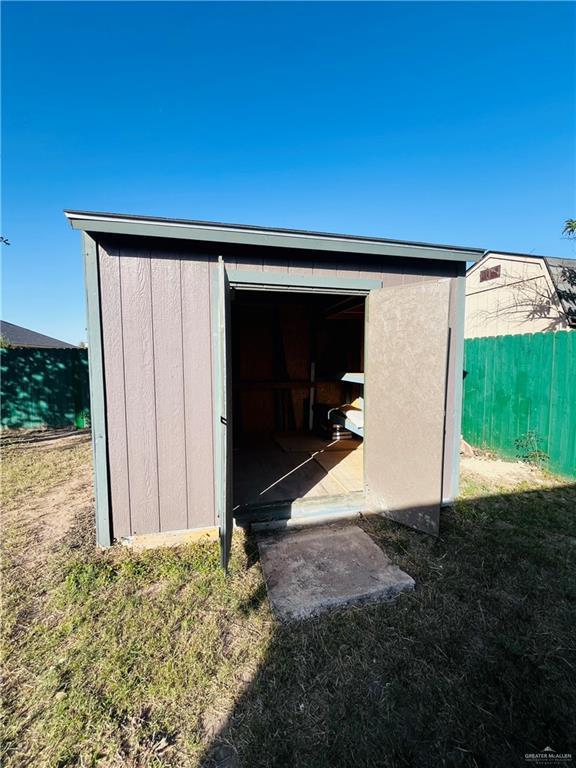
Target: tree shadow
44, 388
525, 301
472, 669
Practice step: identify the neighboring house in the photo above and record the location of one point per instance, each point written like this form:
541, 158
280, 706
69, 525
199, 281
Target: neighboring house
17, 336
514, 293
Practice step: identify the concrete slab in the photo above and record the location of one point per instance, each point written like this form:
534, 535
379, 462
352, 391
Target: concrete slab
311, 571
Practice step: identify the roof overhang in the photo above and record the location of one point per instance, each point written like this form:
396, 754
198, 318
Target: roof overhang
240, 234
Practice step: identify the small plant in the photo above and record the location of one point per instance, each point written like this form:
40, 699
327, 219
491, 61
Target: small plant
84, 421
529, 448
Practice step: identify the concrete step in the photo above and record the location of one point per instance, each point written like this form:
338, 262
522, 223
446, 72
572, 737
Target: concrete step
311, 571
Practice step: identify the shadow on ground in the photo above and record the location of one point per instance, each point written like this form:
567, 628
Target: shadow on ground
475, 668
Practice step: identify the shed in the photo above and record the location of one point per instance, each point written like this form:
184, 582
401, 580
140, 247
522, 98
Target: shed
267, 375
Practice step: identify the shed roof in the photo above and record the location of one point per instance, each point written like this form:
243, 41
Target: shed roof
244, 234
17, 336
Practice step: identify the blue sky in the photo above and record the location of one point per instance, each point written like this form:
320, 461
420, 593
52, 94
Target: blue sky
442, 122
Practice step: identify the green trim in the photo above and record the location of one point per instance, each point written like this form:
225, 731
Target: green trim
216, 385
222, 412
300, 509
250, 236
286, 281
97, 397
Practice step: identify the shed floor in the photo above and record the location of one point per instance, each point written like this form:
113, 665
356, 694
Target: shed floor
307, 468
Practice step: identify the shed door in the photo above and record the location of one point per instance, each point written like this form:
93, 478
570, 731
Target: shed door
405, 391
222, 408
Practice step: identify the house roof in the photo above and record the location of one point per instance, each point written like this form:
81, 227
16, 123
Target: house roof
563, 274
244, 234
17, 336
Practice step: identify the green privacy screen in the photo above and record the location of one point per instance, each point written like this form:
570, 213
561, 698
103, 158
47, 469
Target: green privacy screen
520, 396
44, 388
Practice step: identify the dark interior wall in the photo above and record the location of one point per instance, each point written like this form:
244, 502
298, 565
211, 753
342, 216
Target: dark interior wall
275, 338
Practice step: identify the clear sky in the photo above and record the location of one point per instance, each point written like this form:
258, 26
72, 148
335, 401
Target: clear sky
443, 122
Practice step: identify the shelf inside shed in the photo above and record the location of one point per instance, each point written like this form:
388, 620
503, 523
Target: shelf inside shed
352, 377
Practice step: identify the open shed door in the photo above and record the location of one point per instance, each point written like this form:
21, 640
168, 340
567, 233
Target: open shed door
405, 390
222, 407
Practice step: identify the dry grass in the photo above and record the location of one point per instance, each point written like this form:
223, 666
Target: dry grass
117, 659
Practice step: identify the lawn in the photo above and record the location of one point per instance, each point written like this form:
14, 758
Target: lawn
156, 659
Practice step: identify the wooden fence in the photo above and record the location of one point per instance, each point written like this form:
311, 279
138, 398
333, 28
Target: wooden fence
520, 397
44, 388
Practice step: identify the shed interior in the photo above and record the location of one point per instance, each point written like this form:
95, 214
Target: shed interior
296, 357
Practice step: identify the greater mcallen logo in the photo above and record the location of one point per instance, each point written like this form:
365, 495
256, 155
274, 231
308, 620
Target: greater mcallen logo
548, 756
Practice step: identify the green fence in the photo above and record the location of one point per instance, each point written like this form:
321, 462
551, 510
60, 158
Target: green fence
44, 388
520, 396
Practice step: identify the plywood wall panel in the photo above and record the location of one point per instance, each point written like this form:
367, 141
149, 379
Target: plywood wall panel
350, 269
370, 272
300, 267
113, 351
326, 269
169, 392
390, 279
198, 391
140, 390
252, 263
275, 265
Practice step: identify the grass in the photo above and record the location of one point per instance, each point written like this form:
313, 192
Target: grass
156, 659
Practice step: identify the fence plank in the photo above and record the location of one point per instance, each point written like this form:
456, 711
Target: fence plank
44, 388
521, 388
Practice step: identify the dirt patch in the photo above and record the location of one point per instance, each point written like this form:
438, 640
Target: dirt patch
48, 438
502, 473
52, 518
43, 519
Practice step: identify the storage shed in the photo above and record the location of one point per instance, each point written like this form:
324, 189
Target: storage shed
268, 375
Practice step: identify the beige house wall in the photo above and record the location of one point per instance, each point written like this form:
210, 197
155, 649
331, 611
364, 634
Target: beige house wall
521, 300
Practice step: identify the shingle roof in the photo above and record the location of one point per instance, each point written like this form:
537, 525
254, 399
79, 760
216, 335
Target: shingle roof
563, 274
17, 336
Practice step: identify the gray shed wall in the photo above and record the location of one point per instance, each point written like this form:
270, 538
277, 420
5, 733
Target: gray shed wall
155, 314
